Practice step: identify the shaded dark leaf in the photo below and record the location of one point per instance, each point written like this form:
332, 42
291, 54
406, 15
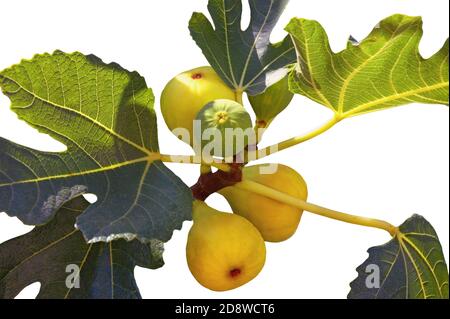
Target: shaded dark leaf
410, 266
104, 115
53, 254
246, 60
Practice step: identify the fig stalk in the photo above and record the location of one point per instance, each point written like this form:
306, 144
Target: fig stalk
315, 209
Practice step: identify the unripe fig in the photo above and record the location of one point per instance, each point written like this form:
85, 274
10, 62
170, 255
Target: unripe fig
187, 93
271, 102
276, 221
224, 251
226, 127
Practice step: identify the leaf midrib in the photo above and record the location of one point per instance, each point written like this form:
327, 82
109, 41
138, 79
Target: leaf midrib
345, 82
50, 245
405, 238
266, 67
227, 44
226, 67
136, 199
247, 61
393, 97
419, 276
402, 238
357, 70
87, 172
311, 71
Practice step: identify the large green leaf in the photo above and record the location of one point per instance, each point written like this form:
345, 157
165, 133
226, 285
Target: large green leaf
384, 70
410, 266
104, 115
246, 60
57, 256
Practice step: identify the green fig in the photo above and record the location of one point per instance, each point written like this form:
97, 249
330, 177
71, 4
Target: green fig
226, 128
271, 102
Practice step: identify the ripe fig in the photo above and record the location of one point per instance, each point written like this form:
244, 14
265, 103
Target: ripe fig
224, 251
271, 102
226, 128
275, 220
187, 93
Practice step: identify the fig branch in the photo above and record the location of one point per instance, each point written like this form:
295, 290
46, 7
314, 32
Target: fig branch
210, 183
221, 108
315, 209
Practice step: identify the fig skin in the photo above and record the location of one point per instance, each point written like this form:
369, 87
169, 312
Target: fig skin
271, 102
224, 251
222, 115
187, 93
276, 221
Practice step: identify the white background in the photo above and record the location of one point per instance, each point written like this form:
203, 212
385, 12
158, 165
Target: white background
388, 165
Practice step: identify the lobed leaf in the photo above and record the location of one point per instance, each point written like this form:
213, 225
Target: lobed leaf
410, 266
104, 115
246, 60
384, 70
48, 254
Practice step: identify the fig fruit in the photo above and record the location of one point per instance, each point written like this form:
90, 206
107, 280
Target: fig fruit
271, 102
224, 251
226, 128
187, 93
276, 221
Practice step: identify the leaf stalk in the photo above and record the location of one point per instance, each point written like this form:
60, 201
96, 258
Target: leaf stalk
315, 209
264, 152
192, 159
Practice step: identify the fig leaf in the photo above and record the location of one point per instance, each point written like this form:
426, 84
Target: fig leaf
246, 60
410, 266
104, 115
382, 71
57, 256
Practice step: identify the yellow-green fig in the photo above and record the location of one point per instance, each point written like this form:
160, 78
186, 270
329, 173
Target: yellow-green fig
187, 93
271, 102
226, 127
276, 221
224, 251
